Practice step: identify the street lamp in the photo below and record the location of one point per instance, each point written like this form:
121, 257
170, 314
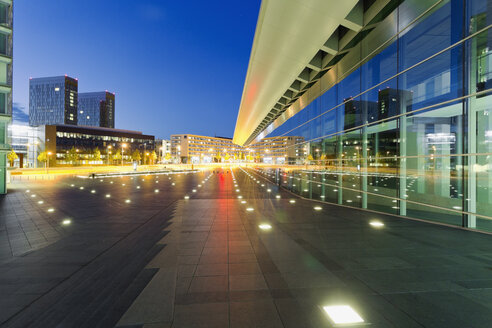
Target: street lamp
109, 152
123, 146
48, 162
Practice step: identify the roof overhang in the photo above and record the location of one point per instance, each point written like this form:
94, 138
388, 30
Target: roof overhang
288, 34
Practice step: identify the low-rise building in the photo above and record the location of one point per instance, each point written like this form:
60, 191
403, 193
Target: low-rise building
61, 139
191, 148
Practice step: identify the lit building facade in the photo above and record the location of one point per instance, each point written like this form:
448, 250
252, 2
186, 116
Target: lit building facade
27, 142
393, 100
190, 148
96, 109
60, 139
53, 100
6, 34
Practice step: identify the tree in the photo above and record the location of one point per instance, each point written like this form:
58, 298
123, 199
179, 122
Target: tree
218, 158
227, 157
72, 156
43, 156
12, 156
168, 157
153, 156
117, 155
96, 155
310, 158
136, 155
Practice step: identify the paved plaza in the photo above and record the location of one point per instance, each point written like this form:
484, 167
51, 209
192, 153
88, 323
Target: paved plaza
226, 248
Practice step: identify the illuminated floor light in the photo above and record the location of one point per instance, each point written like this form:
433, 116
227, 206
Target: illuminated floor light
93, 191
111, 182
278, 196
292, 201
138, 187
194, 190
66, 222
51, 210
157, 190
30, 191
127, 201
72, 185
342, 314
305, 190
40, 202
250, 209
172, 184
243, 202
262, 185
269, 190
322, 196
239, 196
318, 208
108, 195
186, 197
199, 186
81, 188
123, 184
395, 207
33, 195
349, 201
457, 207
376, 224
265, 226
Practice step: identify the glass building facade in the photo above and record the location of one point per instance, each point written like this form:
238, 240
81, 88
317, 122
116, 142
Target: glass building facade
402, 123
6, 34
53, 100
96, 109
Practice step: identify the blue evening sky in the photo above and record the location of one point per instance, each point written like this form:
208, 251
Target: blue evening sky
176, 66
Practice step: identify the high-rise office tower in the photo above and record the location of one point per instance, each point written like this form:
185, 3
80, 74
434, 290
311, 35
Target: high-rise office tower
96, 109
53, 100
6, 20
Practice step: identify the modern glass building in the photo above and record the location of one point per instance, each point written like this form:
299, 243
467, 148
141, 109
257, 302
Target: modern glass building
96, 109
53, 100
60, 139
6, 34
393, 100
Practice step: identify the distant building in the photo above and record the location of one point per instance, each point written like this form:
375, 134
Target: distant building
6, 35
190, 148
60, 139
53, 100
27, 142
96, 109
163, 147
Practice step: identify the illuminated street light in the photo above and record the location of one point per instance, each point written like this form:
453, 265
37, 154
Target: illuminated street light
123, 146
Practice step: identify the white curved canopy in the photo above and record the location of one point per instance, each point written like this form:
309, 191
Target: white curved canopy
288, 34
